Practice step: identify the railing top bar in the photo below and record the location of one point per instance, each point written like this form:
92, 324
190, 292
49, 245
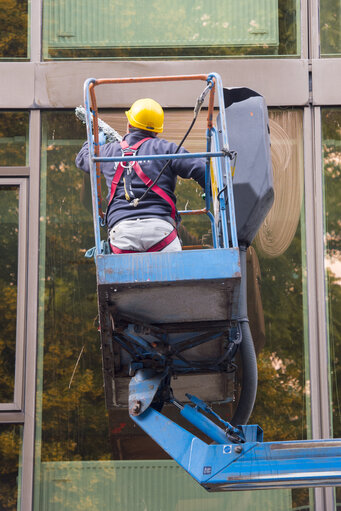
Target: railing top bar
176, 156
140, 79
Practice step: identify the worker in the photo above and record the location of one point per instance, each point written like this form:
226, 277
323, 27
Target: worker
149, 224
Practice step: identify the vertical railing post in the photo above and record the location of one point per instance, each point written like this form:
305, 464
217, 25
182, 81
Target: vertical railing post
92, 165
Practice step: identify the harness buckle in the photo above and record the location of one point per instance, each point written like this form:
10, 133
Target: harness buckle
128, 164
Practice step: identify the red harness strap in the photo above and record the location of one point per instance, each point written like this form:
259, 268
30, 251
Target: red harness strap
128, 151
160, 245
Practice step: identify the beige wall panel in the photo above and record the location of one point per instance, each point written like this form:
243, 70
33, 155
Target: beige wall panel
17, 85
326, 81
60, 84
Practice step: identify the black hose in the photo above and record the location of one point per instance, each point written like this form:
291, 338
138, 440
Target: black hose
248, 355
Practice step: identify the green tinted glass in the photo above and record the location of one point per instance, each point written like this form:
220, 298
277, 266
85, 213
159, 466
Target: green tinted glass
10, 455
14, 29
87, 456
330, 27
9, 225
172, 28
13, 138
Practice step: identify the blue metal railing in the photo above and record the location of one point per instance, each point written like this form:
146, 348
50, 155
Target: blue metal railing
224, 232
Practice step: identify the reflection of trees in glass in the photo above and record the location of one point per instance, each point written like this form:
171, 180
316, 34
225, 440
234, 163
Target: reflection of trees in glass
280, 405
330, 19
10, 445
194, 229
13, 29
13, 138
74, 418
331, 131
288, 24
8, 288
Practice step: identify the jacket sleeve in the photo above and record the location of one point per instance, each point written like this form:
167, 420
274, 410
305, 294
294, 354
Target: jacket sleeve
190, 168
82, 158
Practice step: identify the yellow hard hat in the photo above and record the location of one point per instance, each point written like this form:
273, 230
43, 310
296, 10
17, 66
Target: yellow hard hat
146, 114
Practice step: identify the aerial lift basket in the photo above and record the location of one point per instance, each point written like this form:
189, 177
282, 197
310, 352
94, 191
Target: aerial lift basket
158, 310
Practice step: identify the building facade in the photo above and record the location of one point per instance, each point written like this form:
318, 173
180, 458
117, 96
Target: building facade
59, 447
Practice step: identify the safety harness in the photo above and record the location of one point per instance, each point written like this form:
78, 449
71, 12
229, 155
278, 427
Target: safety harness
125, 169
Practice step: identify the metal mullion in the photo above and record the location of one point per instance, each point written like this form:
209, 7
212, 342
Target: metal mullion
327, 494
320, 399
304, 29
314, 29
32, 314
318, 342
309, 192
320, 278
35, 33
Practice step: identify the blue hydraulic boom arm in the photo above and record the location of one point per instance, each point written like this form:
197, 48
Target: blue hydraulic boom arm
237, 458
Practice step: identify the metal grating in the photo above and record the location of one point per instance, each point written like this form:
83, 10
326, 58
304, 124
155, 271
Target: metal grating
153, 24
141, 486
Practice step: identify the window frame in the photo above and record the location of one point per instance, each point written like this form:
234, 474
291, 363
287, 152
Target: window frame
15, 406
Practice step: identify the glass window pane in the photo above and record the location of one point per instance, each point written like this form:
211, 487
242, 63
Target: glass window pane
14, 30
86, 456
10, 461
13, 138
279, 278
9, 229
277, 295
170, 29
330, 27
331, 144
331, 133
